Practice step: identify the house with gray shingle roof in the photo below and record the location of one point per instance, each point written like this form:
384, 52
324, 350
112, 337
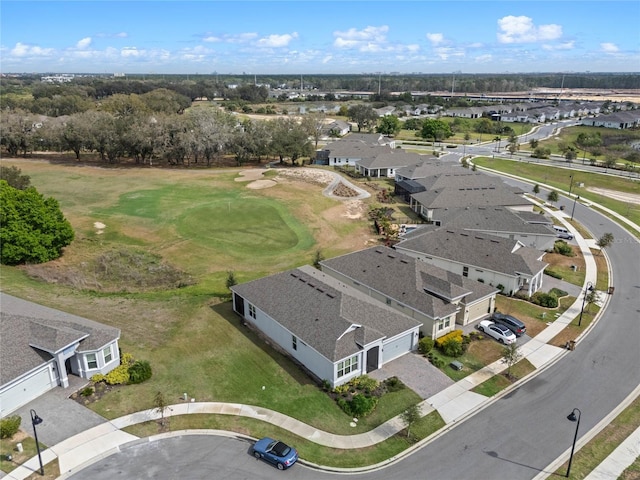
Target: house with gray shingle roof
333, 330
386, 164
40, 347
438, 298
496, 261
531, 229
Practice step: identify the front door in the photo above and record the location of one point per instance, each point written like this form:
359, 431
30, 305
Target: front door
372, 359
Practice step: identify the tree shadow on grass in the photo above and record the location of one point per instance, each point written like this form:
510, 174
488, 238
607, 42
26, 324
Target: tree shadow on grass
295, 370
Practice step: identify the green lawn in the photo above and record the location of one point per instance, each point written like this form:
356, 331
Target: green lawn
499, 382
559, 178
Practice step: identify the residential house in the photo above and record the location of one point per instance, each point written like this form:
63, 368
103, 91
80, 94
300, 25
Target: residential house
437, 298
337, 128
40, 347
333, 330
386, 164
385, 111
619, 120
501, 262
355, 146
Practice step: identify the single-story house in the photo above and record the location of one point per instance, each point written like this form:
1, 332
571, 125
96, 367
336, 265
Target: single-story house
338, 128
386, 164
619, 120
437, 298
500, 262
333, 330
40, 347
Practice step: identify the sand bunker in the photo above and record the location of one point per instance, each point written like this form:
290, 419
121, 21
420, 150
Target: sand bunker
258, 184
621, 196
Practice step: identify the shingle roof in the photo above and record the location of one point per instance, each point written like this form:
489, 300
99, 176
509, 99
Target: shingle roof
430, 168
324, 313
469, 196
390, 159
30, 330
355, 150
478, 249
496, 219
423, 287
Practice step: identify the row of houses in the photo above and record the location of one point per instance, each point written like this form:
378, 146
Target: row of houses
620, 120
361, 310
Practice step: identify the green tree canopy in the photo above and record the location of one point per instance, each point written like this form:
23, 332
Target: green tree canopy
32, 227
389, 125
436, 129
363, 115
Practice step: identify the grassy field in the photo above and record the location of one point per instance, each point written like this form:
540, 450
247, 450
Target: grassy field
559, 178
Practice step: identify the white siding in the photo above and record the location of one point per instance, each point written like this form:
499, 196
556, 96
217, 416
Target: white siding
397, 347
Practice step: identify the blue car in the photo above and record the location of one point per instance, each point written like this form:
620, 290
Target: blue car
273, 451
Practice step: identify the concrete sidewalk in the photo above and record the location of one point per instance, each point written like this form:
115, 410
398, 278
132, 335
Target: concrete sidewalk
619, 459
453, 403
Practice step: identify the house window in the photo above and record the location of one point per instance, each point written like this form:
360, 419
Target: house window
294, 342
347, 366
447, 323
108, 356
252, 311
465, 271
92, 361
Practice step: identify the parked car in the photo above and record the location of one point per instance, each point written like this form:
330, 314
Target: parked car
497, 331
273, 451
512, 323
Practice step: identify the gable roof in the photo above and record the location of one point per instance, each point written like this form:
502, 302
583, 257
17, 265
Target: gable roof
411, 282
390, 159
355, 150
329, 316
469, 196
497, 219
32, 333
484, 251
429, 167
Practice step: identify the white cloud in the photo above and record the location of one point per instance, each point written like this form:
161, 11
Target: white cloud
327, 59
609, 47
484, 58
236, 38
560, 46
363, 40
276, 41
131, 52
522, 30
23, 50
435, 38
84, 43
413, 47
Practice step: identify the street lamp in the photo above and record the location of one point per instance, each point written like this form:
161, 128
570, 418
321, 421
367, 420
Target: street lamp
574, 418
584, 299
574, 205
570, 185
36, 420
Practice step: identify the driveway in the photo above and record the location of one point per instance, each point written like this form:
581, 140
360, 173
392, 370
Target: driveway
61, 417
416, 372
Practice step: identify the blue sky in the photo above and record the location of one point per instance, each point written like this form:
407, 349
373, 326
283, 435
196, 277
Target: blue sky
263, 37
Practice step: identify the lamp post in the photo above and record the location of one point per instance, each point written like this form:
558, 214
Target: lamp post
574, 418
574, 205
570, 185
584, 299
36, 420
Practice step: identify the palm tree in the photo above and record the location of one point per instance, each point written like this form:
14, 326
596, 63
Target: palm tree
497, 139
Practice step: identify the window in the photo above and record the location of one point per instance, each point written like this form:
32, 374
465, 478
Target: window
108, 356
92, 361
465, 271
294, 342
447, 322
252, 311
347, 366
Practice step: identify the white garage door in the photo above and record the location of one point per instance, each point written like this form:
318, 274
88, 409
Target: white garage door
25, 391
479, 310
396, 347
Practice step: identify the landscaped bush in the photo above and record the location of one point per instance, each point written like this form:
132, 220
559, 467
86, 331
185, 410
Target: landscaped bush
435, 360
454, 334
9, 426
118, 376
452, 347
359, 406
558, 293
393, 384
98, 377
544, 299
563, 248
552, 273
87, 391
425, 345
139, 371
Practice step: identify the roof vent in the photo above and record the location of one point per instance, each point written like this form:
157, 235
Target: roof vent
330, 295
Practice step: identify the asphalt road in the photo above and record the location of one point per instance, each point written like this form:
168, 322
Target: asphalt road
514, 438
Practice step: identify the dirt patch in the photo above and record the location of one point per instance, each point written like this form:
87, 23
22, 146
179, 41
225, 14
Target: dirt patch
259, 184
249, 175
616, 195
317, 177
557, 260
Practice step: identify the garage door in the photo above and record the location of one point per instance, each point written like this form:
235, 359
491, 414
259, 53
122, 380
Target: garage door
396, 347
479, 310
26, 390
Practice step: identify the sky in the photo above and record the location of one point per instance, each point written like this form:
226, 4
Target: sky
298, 37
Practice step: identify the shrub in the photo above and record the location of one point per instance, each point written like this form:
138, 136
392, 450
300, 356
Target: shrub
563, 248
425, 345
544, 299
500, 287
359, 406
118, 376
454, 334
452, 347
558, 293
394, 384
437, 362
139, 371
9, 426
552, 273
87, 391
97, 378
364, 382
